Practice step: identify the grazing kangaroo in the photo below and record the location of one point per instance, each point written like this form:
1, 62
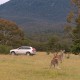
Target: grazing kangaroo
57, 57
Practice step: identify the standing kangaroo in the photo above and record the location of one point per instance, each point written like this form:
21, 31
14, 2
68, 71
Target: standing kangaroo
57, 57
60, 56
54, 61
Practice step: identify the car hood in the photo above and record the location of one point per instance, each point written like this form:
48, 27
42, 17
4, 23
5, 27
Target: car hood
13, 49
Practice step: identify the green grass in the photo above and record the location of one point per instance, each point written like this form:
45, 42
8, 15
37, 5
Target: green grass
36, 67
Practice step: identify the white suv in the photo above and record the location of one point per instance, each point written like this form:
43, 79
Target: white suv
23, 50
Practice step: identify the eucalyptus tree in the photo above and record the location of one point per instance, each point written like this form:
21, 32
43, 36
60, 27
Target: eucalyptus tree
74, 18
10, 33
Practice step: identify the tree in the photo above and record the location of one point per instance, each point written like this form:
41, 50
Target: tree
75, 11
53, 44
76, 31
76, 40
10, 33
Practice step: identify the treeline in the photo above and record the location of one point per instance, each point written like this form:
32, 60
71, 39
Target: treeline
11, 36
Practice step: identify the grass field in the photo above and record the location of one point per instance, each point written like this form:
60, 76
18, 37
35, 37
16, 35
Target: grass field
36, 67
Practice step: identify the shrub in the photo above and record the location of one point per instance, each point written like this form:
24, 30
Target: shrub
76, 48
4, 49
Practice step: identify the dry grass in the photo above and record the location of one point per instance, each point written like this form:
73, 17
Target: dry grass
37, 68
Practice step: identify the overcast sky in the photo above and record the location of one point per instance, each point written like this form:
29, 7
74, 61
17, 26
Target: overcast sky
3, 1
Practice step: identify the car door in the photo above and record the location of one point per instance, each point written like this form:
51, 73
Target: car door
21, 50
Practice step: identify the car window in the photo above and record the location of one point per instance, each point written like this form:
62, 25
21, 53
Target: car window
24, 47
27, 48
20, 48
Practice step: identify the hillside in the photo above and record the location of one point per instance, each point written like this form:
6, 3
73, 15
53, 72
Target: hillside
37, 16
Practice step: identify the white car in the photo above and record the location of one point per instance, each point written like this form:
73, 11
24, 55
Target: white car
23, 50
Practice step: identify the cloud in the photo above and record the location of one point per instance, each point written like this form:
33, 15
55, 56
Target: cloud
3, 1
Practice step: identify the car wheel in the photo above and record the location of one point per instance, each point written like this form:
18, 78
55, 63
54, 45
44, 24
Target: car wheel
13, 53
28, 53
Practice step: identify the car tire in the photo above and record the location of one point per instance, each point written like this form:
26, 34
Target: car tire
28, 54
13, 53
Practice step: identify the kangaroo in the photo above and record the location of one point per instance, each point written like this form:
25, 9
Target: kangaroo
57, 57
60, 56
54, 61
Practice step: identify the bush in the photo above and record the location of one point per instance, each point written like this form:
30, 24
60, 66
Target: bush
4, 49
76, 48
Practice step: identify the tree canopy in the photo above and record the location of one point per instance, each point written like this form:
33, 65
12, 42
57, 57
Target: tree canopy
74, 17
10, 33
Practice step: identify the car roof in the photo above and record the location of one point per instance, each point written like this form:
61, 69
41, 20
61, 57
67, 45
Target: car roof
25, 46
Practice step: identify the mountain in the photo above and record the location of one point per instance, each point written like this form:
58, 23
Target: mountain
37, 16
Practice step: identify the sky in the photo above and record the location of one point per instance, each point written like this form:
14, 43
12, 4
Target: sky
3, 1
